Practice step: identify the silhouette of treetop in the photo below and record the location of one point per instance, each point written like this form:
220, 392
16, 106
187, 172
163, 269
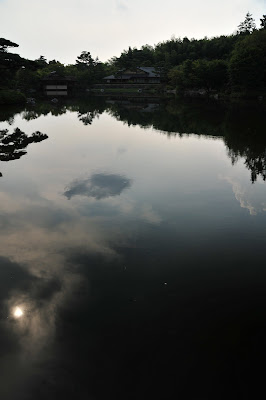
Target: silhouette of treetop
12, 146
5, 43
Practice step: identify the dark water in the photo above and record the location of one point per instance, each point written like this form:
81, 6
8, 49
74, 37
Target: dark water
132, 251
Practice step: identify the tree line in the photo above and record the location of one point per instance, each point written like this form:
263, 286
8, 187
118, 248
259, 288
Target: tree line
229, 64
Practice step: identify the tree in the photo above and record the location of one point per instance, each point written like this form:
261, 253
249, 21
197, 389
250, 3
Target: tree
85, 59
88, 70
263, 22
54, 67
26, 79
5, 43
41, 61
247, 26
247, 67
201, 74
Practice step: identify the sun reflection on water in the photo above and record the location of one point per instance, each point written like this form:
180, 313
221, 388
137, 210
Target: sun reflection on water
18, 312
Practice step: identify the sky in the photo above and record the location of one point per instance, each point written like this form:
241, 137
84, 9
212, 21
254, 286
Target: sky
62, 29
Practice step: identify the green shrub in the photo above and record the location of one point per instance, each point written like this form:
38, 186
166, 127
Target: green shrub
8, 96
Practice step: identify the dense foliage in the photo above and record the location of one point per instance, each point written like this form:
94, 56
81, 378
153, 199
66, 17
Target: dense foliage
234, 64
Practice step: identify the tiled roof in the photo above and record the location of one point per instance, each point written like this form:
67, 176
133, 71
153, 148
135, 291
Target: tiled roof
146, 70
150, 71
109, 77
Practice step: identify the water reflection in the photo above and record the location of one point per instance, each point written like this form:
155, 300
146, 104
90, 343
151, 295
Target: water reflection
99, 186
253, 150
18, 312
241, 126
89, 276
12, 145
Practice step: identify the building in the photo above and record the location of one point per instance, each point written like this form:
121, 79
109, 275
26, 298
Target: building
135, 76
55, 85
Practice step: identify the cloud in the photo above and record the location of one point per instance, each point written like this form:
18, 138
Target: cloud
125, 24
148, 214
11, 277
246, 196
121, 150
23, 339
98, 186
121, 5
36, 275
53, 252
44, 244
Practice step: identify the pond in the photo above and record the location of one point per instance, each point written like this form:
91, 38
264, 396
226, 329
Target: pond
132, 250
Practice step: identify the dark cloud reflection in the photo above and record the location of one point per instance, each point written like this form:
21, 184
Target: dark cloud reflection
99, 186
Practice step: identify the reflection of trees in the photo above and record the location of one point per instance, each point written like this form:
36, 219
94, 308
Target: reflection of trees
171, 117
241, 126
7, 113
89, 109
255, 160
29, 115
43, 109
87, 117
245, 137
12, 146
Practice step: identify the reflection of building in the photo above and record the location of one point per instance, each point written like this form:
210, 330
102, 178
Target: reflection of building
136, 104
54, 85
135, 75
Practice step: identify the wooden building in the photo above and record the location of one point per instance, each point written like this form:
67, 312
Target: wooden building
55, 85
137, 75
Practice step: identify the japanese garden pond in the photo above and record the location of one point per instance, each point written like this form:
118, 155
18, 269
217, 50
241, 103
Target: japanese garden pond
132, 261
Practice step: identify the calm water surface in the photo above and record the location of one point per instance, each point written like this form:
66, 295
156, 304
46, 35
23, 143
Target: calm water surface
132, 252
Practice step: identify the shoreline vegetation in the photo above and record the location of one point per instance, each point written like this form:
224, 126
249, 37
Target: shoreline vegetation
11, 96
231, 67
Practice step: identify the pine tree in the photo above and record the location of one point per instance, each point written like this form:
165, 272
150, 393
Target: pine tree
263, 22
248, 25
